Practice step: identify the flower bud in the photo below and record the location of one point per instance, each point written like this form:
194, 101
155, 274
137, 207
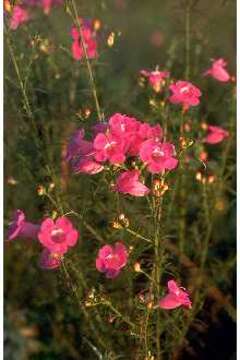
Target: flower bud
137, 267
97, 24
111, 39
41, 190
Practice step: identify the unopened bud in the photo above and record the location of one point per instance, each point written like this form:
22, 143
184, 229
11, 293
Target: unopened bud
137, 267
41, 190
97, 24
185, 143
211, 179
111, 39
203, 155
204, 125
199, 176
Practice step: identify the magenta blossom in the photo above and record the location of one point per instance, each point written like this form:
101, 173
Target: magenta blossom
185, 93
156, 78
48, 260
218, 71
128, 183
89, 41
145, 132
176, 297
132, 133
19, 227
19, 16
215, 134
111, 259
58, 236
110, 147
158, 156
123, 124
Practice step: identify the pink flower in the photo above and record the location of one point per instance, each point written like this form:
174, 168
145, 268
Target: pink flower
58, 236
216, 134
158, 156
122, 124
218, 71
19, 227
87, 165
177, 296
128, 183
110, 147
145, 131
19, 17
80, 153
156, 78
185, 93
89, 40
48, 260
111, 259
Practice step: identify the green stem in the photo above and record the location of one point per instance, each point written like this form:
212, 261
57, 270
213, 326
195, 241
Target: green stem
158, 263
82, 307
89, 68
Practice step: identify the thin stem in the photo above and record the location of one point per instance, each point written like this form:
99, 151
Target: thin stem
138, 235
89, 68
158, 262
26, 103
81, 305
109, 304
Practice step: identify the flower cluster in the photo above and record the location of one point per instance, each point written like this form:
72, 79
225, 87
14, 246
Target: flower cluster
21, 14
123, 137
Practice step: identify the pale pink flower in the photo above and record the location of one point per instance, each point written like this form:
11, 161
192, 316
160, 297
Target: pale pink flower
176, 297
156, 78
158, 156
89, 40
48, 260
216, 134
218, 71
128, 183
110, 147
19, 16
19, 227
111, 259
58, 236
185, 93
